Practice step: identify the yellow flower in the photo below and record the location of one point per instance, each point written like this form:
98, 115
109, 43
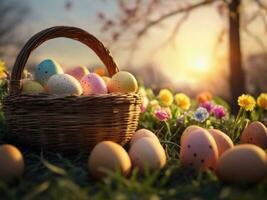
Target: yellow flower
262, 101
165, 97
182, 101
247, 102
2, 69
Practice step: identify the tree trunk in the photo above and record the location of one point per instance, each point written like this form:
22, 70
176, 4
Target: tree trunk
237, 74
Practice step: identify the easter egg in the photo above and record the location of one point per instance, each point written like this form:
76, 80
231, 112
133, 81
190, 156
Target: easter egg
105, 79
11, 163
64, 84
93, 84
255, 133
222, 140
45, 70
31, 87
147, 153
108, 156
141, 133
122, 82
188, 130
245, 163
78, 72
199, 150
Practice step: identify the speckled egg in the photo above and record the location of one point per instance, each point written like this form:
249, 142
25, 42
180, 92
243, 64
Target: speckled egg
11, 163
199, 150
255, 133
93, 84
147, 153
108, 156
187, 131
122, 82
78, 72
141, 133
245, 163
31, 87
222, 140
64, 84
46, 69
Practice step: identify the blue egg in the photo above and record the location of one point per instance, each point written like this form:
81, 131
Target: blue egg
46, 69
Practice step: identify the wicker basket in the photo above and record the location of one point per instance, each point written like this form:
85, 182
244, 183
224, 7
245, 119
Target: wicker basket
63, 124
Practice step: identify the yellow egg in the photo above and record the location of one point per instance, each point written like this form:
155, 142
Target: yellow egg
141, 133
255, 133
108, 156
122, 82
222, 140
147, 153
105, 79
31, 87
11, 163
188, 130
245, 163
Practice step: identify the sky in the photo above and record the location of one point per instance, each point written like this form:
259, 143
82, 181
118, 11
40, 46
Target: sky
192, 60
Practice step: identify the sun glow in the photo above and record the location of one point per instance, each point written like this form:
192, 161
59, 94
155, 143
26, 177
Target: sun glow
200, 63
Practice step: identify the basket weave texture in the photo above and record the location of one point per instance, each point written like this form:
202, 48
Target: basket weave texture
63, 124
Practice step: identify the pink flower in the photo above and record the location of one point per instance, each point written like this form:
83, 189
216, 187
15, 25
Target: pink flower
208, 105
219, 112
144, 104
161, 114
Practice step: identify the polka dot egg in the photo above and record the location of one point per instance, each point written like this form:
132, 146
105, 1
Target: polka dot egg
93, 84
64, 84
199, 150
45, 70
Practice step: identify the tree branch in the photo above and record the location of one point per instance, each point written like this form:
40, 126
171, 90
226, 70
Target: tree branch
171, 14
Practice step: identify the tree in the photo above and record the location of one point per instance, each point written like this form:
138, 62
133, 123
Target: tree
12, 14
140, 18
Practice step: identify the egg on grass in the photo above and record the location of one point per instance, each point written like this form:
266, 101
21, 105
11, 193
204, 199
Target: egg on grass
245, 163
147, 153
141, 133
11, 163
255, 133
222, 140
199, 150
188, 130
108, 156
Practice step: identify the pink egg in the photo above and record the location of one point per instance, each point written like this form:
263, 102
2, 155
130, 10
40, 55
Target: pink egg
78, 72
199, 150
93, 84
188, 130
222, 140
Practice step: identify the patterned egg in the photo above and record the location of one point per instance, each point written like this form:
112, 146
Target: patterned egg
93, 84
78, 72
108, 156
46, 69
122, 82
188, 130
222, 140
64, 84
147, 153
141, 133
31, 87
199, 150
245, 163
255, 133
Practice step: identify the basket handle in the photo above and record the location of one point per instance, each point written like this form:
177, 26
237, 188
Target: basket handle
54, 32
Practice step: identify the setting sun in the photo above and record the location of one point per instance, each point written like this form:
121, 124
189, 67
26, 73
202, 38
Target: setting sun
200, 63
